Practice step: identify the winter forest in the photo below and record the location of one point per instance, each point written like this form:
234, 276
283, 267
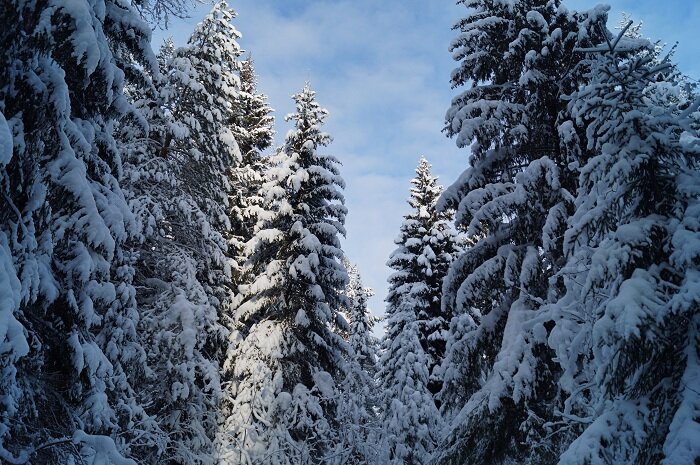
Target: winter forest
173, 284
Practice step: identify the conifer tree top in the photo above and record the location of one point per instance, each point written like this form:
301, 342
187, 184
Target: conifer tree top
305, 204
216, 25
309, 117
253, 121
249, 80
425, 191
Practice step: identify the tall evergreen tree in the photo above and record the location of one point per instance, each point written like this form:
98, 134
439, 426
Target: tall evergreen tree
361, 322
73, 365
202, 85
178, 316
414, 342
288, 360
518, 59
253, 123
253, 127
626, 332
431, 238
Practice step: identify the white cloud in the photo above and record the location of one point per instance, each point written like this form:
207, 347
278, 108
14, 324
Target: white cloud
382, 69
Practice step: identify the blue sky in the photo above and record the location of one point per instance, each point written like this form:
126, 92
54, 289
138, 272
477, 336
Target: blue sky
382, 68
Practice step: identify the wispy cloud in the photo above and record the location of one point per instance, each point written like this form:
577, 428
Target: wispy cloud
382, 69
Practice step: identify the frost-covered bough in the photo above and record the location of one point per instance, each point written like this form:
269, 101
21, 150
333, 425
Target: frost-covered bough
13, 336
180, 153
517, 59
287, 360
69, 371
626, 331
359, 425
416, 328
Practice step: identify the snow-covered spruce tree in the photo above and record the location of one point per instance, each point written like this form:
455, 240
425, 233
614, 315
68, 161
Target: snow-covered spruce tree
253, 127
518, 59
253, 123
357, 312
431, 238
193, 289
179, 319
414, 342
358, 422
287, 361
69, 372
202, 84
410, 421
627, 328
